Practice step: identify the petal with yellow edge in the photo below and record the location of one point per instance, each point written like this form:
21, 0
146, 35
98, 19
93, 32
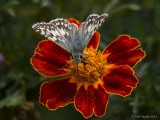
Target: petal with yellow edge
84, 101
122, 51
101, 101
120, 80
49, 58
57, 93
90, 99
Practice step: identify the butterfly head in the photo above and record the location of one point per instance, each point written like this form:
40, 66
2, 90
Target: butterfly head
77, 58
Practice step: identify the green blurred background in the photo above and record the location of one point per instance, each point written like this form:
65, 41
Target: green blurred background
20, 83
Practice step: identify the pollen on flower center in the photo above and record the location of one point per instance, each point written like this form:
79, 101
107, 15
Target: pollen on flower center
88, 70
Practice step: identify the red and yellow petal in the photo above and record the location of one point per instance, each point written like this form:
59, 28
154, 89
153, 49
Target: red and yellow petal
120, 80
49, 58
91, 100
46, 69
101, 101
128, 58
122, 51
84, 101
57, 93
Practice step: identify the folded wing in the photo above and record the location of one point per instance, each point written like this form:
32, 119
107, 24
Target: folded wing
90, 26
59, 31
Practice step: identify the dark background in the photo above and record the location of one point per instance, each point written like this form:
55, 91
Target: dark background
20, 83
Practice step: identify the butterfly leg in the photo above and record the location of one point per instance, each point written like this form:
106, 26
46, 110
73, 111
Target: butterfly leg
84, 58
63, 67
87, 60
77, 66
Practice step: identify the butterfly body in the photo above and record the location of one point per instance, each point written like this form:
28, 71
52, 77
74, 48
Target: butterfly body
77, 51
69, 36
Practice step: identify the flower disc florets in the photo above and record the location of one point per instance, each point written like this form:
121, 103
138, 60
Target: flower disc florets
90, 68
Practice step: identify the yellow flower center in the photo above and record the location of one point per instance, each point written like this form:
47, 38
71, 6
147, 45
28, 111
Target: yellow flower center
90, 68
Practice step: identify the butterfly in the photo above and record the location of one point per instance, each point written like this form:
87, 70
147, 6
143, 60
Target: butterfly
69, 36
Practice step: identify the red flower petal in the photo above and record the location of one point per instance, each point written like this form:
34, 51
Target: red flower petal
87, 101
122, 51
49, 58
128, 58
84, 101
57, 93
101, 101
94, 42
120, 80
46, 69
122, 43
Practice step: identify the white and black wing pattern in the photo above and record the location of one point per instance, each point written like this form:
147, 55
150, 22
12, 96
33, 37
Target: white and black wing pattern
59, 31
90, 26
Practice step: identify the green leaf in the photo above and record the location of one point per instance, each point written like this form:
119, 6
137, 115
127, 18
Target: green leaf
13, 99
112, 4
11, 3
10, 12
122, 8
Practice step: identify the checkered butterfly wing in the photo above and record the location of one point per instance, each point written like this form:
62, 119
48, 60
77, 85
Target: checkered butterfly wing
59, 31
89, 27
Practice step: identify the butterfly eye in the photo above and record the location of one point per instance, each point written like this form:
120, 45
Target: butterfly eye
81, 56
72, 57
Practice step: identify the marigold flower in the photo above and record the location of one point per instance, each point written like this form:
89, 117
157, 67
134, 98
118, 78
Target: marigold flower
103, 73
